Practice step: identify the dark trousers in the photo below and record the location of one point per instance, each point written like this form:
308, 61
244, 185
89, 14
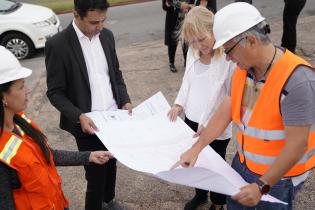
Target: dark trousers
292, 9
171, 52
185, 50
220, 147
184, 45
101, 179
291, 12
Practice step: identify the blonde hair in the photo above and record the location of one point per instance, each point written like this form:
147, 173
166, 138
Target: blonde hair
198, 22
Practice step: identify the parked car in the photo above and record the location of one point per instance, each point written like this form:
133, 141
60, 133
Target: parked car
26, 27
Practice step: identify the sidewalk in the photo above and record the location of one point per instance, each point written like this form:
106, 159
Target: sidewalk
145, 69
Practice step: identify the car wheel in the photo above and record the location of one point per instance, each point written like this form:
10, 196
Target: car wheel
20, 45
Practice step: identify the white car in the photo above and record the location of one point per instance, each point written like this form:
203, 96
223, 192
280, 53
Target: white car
26, 27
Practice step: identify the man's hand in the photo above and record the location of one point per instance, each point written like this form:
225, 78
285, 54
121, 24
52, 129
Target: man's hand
249, 195
100, 157
185, 7
187, 159
174, 112
87, 125
167, 4
203, 3
128, 106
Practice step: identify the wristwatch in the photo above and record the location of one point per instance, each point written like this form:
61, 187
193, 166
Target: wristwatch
263, 187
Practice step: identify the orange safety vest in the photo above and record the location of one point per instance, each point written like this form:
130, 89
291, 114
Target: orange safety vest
260, 141
40, 182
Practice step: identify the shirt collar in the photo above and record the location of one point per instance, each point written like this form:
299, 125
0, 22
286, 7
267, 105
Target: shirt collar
79, 32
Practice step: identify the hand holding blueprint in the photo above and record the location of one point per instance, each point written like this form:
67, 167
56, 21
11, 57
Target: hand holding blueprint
148, 142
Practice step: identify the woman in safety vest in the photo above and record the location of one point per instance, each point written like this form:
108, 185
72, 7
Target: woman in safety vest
29, 179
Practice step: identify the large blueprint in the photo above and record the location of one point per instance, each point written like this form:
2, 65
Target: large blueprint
148, 142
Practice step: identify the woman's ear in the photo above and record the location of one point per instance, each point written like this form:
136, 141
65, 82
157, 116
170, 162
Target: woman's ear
3, 99
4, 103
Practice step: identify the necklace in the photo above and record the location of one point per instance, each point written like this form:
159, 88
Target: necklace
269, 66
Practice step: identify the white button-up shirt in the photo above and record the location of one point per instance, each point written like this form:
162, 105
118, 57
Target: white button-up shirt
97, 68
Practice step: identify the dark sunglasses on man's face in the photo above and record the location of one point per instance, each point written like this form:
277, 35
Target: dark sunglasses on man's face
229, 50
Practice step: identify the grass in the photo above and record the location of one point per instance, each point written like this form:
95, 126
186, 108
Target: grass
60, 6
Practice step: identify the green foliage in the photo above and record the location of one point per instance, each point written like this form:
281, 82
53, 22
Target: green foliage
60, 6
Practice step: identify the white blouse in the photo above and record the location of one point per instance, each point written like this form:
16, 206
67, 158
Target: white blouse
197, 97
206, 93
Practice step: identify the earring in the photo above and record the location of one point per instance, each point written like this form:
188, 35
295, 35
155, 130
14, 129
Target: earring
5, 104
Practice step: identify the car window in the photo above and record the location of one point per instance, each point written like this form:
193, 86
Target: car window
8, 6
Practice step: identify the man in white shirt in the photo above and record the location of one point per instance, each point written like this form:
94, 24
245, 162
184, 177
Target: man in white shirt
82, 76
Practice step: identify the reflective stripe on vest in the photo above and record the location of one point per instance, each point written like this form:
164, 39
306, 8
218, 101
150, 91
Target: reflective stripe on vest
20, 130
262, 134
10, 149
41, 184
269, 160
25, 118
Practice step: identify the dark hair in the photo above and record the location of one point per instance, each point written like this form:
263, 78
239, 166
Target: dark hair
83, 6
39, 138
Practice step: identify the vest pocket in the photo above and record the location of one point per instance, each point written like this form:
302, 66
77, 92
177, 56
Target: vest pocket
38, 187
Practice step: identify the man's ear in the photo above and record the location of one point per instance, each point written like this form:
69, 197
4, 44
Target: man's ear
251, 40
75, 14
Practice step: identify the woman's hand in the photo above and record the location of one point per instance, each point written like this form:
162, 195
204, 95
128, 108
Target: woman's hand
100, 157
174, 112
200, 130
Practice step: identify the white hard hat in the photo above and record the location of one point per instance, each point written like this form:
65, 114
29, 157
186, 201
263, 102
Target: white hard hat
10, 67
233, 20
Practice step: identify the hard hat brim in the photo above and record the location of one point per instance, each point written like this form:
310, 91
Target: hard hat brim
22, 73
26, 73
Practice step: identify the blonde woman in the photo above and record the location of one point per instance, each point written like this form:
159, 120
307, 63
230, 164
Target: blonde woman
205, 84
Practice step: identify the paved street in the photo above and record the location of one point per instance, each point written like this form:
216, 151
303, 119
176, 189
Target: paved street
145, 68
